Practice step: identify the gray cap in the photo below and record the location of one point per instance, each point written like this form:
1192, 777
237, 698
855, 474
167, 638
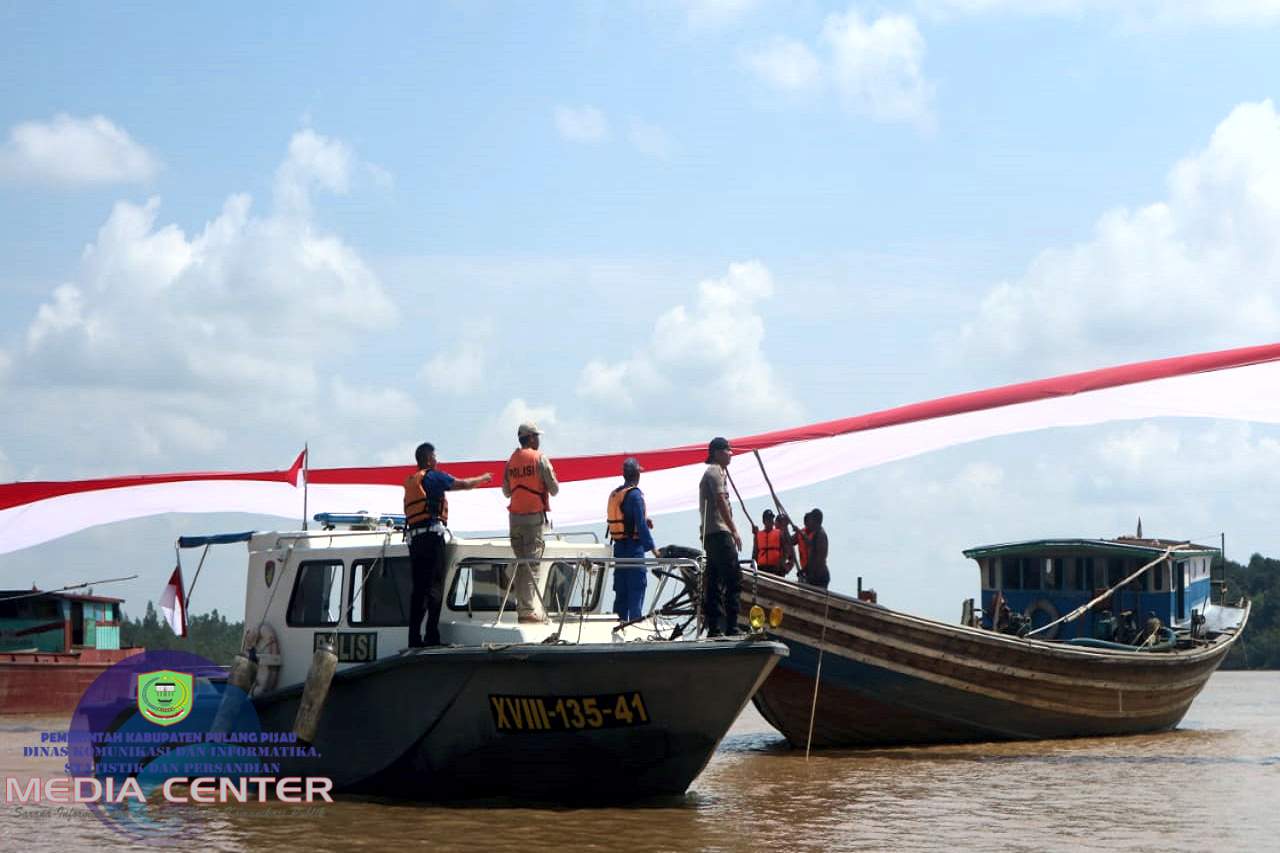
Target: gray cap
526, 429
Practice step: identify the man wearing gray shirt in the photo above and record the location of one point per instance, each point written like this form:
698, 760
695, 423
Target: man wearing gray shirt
720, 541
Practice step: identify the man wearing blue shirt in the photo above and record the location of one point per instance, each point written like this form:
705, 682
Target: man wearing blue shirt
426, 520
629, 529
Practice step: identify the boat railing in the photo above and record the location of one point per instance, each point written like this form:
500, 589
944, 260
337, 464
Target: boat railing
572, 587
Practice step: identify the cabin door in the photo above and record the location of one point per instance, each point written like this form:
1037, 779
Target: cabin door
77, 623
1180, 587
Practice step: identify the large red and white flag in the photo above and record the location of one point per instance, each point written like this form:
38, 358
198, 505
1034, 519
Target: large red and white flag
173, 603
1238, 384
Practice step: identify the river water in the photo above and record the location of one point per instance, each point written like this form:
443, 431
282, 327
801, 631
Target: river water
1214, 784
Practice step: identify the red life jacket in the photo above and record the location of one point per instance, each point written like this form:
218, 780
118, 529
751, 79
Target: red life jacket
420, 510
524, 475
769, 547
803, 537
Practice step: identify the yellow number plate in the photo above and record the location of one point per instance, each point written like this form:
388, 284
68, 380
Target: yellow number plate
567, 713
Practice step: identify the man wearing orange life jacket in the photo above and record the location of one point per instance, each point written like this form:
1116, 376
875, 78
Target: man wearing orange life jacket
766, 549
629, 531
802, 539
530, 482
426, 519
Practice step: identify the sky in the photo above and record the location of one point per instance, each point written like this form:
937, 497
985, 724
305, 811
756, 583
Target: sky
231, 231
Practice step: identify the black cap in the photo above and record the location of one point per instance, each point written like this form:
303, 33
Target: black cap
717, 443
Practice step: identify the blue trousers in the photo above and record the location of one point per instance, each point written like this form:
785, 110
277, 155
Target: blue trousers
628, 593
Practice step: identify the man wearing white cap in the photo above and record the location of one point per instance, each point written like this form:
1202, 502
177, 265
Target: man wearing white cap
529, 481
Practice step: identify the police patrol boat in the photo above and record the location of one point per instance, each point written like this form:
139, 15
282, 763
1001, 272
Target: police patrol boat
579, 708
1071, 638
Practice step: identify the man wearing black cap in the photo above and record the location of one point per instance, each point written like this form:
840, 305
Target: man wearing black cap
629, 531
721, 542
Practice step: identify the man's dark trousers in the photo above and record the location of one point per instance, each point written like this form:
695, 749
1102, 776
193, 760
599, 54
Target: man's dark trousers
426, 560
723, 584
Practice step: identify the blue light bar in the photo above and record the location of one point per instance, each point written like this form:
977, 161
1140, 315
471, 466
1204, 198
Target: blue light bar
335, 518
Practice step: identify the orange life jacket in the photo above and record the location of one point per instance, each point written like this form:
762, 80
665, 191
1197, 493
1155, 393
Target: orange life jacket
524, 475
419, 509
802, 545
769, 547
617, 519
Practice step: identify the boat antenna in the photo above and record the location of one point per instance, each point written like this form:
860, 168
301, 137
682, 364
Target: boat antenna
66, 588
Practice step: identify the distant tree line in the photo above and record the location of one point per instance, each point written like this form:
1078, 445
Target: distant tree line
1259, 581
210, 635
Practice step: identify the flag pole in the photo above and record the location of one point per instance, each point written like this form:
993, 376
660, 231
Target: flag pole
306, 461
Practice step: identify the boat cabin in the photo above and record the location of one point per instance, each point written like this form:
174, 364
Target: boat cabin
349, 584
1047, 578
58, 622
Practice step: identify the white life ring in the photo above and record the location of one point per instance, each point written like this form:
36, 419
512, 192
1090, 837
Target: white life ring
1052, 612
264, 642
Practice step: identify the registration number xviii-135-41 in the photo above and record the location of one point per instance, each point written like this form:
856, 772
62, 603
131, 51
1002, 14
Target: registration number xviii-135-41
567, 713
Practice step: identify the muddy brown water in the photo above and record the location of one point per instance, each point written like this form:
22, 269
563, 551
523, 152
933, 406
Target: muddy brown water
1214, 784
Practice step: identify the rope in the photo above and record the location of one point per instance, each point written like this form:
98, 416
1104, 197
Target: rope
1084, 608
817, 676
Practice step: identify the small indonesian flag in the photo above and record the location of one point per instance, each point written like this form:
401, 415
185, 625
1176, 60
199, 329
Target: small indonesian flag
173, 603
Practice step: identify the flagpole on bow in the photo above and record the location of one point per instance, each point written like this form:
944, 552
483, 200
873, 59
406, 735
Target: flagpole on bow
306, 461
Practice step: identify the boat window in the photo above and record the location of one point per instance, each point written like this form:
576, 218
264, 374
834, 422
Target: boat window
570, 588
991, 573
1030, 572
1115, 570
1012, 573
317, 594
479, 586
381, 589
1157, 576
1084, 574
1057, 571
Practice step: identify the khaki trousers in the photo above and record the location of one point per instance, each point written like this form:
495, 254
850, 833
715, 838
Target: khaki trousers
526, 541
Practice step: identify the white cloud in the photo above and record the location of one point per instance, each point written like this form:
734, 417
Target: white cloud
786, 64
1138, 14
72, 151
707, 14
708, 356
1197, 270
878, 66
186, 338
460, 371
581, 124
650, 139
313, 160
371, 401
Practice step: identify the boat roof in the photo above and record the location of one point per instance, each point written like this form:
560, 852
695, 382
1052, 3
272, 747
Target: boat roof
1121, 546
70, 596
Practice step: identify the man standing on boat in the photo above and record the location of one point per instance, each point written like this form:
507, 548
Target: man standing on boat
720, 541
426, 519
629, 531
529, 481
767, 547
815, 571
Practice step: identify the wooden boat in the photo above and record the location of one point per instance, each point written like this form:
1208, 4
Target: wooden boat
892, 678
52, 647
